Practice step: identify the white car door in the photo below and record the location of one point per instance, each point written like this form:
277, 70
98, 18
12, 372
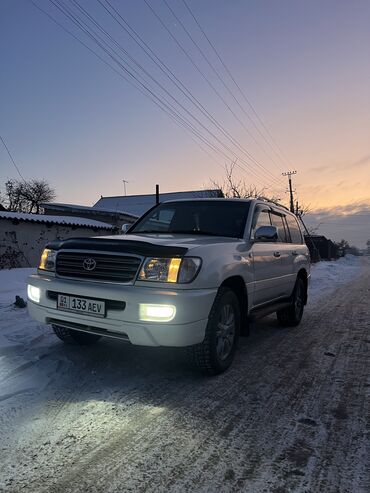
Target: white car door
284, 248
266, 261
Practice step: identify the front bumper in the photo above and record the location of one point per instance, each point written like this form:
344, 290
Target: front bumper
187, 328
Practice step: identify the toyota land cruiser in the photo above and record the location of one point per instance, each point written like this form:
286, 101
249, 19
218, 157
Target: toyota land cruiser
189, 273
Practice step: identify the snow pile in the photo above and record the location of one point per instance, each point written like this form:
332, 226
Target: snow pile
329, 275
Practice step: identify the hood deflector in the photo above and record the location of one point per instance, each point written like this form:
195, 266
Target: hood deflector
118, 246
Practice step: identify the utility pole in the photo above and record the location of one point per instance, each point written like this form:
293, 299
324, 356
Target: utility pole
124, 185
289, 175
156, 194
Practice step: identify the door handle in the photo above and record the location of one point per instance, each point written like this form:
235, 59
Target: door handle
276, 254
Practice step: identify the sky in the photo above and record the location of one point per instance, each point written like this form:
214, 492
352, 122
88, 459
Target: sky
303, 66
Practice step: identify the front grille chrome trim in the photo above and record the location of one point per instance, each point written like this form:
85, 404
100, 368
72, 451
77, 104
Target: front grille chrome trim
112, 267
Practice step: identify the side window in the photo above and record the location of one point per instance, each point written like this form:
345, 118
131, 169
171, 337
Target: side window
278, 221
261, 217
295, 231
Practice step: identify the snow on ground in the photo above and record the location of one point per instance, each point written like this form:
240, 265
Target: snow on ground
63, 409
28, 341
329, 275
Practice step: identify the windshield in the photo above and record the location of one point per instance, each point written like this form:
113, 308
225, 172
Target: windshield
215, 218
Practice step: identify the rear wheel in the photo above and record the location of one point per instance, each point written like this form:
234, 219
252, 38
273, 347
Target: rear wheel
292, 315
216, 353
71, 336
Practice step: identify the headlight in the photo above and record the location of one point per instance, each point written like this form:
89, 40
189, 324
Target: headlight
180, 270
33, 293
47, 261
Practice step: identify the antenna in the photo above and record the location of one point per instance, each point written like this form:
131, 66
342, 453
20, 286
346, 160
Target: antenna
124, 186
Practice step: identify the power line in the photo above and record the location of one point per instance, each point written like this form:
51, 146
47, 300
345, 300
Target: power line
11, 158
93, 35
134, 80
177, 119
225, 85
158, 17
183, 89
264, 126
85, 28
126, 79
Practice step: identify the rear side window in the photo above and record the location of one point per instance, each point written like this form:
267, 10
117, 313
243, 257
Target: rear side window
278, 221
295, 231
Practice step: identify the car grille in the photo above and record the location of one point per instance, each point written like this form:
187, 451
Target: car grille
113, 268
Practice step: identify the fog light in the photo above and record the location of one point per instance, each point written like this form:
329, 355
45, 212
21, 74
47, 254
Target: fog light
156, 313
33, 293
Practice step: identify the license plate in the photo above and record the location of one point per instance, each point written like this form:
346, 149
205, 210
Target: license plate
95, 308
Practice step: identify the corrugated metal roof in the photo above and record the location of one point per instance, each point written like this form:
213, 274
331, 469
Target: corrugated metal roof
83, 208
43, 218
139, 204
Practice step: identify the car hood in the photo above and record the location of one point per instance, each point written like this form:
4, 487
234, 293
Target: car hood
174, 240
142, 244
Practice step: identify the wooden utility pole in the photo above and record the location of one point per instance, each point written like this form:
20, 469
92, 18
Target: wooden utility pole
289, 175
157, 194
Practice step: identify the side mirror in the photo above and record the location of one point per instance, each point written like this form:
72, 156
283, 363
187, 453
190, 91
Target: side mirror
125, 228
266, 233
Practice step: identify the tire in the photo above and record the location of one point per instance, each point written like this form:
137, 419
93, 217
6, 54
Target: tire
76, 337
292, 315
215, 354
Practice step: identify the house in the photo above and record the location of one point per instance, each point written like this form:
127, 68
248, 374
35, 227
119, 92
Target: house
119, 210
139, 204
318, 244
23, 236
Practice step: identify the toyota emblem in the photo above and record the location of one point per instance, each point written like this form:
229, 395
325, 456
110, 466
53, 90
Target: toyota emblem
89, 264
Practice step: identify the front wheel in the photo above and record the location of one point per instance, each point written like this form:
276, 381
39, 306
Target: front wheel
71, 336
216, 353
292, 315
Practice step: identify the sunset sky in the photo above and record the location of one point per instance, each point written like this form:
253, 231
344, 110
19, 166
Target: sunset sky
303, 65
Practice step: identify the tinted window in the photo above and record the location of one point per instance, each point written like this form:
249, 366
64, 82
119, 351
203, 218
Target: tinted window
278, 221
217, 218
260, 218
295, 232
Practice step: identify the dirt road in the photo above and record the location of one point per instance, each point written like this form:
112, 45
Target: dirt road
292, 415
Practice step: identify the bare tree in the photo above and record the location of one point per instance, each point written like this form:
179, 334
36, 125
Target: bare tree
232, 187
26, 196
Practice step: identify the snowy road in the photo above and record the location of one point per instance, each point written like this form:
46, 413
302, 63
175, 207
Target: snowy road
292, 414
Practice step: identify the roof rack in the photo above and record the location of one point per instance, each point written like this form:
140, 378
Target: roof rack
265, 199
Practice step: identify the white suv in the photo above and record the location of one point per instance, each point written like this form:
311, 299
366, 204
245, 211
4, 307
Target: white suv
189, 273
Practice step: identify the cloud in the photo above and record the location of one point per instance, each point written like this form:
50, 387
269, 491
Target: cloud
353, 208
362, 161
351, 222
335, 167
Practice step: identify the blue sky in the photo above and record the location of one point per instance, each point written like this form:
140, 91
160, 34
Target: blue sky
304, 65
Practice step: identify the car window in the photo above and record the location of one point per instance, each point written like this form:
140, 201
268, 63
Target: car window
278, 221
261, 217
295, 231
202, 217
